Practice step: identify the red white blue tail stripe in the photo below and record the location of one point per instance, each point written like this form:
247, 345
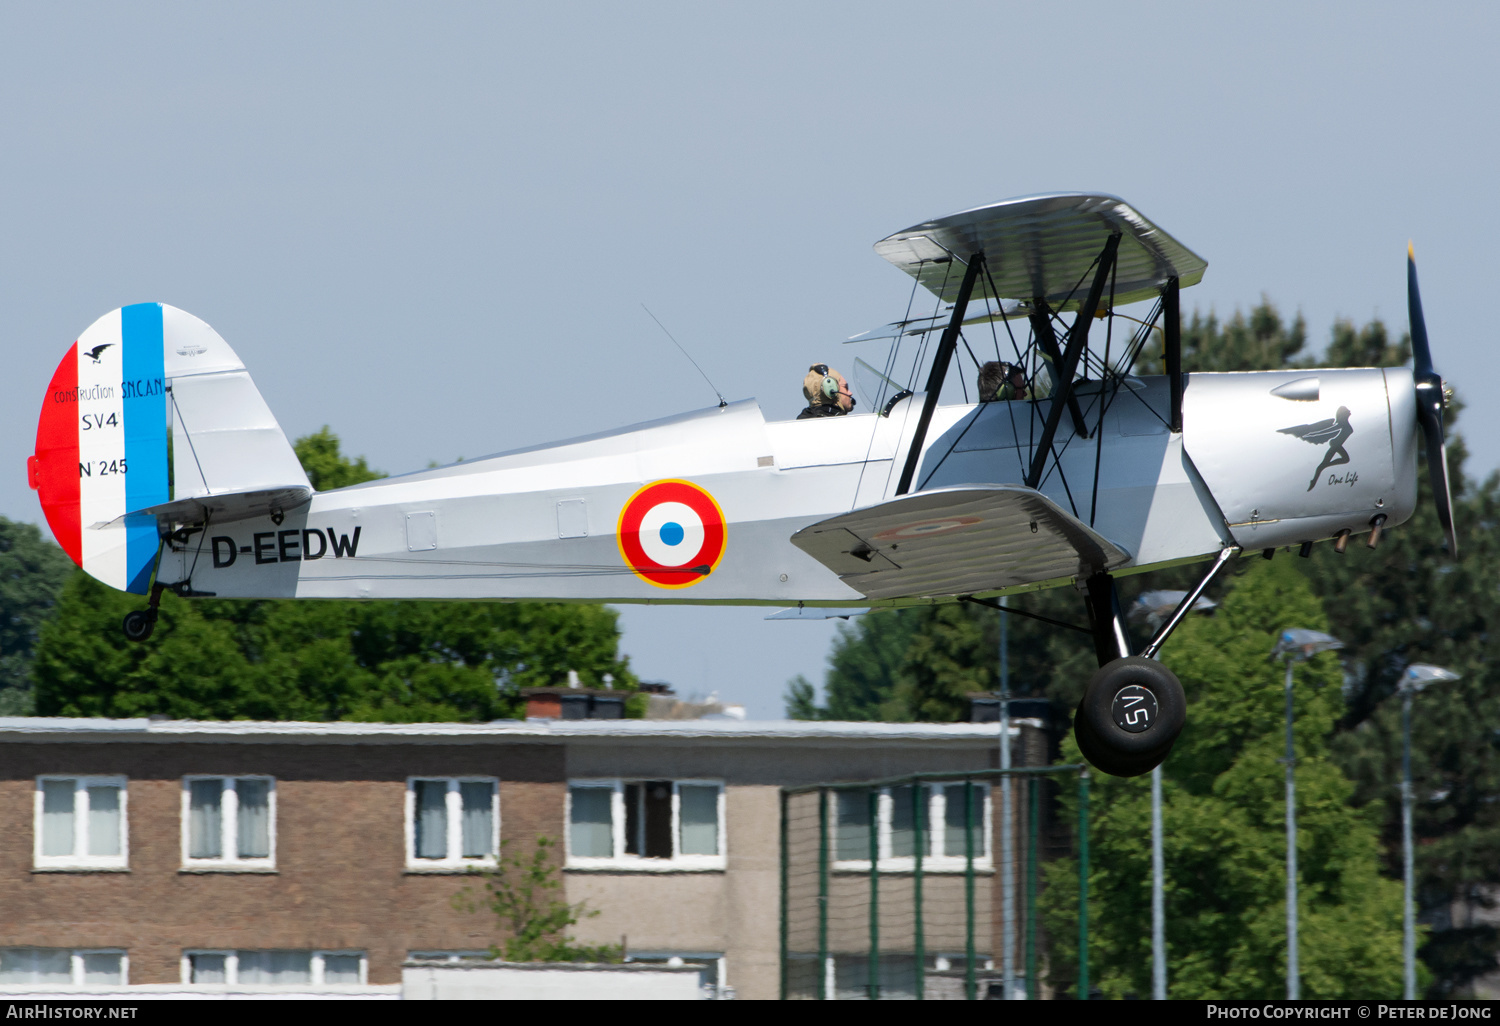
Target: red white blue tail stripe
101, 447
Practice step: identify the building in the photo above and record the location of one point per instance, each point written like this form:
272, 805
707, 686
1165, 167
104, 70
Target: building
317, 857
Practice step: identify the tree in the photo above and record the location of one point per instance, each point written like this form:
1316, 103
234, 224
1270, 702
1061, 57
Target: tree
1224, 831
32, 573
867, 662
327, 468
521, 892
317, 660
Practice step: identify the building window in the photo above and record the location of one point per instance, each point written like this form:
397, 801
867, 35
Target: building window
473, 955
64, 967
277, 968
451, 822
80, 823
946, 827
228, 822
646, 824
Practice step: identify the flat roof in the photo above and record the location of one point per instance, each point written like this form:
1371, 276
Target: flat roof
85, 729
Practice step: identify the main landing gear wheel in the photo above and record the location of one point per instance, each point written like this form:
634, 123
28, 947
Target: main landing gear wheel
139, 623
1130, 716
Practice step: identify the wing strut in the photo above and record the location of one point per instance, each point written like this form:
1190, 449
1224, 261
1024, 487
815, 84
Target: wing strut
1046, 338
946, 348
1078, 340
1172, 335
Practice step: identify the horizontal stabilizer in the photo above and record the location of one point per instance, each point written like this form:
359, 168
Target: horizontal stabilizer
962, 540
221, 509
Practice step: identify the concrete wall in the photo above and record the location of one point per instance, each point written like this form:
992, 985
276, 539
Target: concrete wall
509, 981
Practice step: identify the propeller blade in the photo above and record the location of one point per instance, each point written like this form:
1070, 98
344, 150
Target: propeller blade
1437, 472
1429, 404
1421, 352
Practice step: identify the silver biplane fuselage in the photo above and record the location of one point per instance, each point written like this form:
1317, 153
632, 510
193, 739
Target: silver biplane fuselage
542, 523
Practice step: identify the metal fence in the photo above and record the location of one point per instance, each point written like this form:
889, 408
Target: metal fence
911, 887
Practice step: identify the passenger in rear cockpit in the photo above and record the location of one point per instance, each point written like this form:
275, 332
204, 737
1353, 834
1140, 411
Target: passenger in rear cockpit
827, 393
1002, 382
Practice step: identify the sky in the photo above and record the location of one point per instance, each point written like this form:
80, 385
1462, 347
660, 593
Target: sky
433, 227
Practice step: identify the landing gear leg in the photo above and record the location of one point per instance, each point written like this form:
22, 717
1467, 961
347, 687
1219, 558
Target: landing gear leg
1133, 708
139, 623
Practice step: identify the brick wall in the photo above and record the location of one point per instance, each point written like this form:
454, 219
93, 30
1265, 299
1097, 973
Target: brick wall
341, 879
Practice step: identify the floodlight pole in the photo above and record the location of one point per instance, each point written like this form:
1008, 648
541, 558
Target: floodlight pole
1408, 914
1158, 903
1293, 982
1007, 882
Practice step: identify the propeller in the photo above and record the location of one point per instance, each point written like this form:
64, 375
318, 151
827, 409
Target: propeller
1430, 401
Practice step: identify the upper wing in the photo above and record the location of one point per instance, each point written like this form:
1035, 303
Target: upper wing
957, 541
1043, 247
1313, 434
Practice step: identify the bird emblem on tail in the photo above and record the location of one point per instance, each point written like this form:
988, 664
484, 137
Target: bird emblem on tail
1335, 431
98, 351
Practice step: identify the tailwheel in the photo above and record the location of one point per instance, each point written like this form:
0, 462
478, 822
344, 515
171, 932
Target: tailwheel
139, 623
1131, 714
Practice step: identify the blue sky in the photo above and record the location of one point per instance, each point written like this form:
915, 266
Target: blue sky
432, 227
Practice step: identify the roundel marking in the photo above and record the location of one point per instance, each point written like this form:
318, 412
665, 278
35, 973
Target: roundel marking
927, 528
671, 534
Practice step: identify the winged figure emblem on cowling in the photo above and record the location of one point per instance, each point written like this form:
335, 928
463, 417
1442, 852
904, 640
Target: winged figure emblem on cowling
1335, 431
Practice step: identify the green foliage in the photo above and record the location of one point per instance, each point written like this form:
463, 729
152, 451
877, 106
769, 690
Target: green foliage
1260, 340
867, 662
327, 468
32, 572
521, 891
1223, 805
317, 660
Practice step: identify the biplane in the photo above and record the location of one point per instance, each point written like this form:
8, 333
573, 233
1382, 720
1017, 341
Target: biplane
159, 466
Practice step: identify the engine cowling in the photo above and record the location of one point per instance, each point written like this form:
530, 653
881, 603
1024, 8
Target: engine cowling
1299, 456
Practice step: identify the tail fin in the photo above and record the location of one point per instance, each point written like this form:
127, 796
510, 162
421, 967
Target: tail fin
100, 467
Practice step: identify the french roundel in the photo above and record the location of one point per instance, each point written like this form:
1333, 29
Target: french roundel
671, 533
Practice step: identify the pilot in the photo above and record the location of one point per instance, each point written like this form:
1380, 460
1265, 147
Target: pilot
1001, 381
827, 393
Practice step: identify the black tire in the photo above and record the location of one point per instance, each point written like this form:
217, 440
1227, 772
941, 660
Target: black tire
1113, 763
138, 625
1120, 749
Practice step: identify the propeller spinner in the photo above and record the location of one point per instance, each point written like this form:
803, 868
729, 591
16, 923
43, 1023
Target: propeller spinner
1429, 403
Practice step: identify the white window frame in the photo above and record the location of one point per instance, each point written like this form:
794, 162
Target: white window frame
232, 968
75, 965
447, 955
229, 860
934, 858
77, 861
454, 806
678, 862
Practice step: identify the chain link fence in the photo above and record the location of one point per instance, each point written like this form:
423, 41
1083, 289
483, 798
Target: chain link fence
910, 887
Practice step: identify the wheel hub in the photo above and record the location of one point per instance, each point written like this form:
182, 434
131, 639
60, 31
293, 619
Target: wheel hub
1134, 709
